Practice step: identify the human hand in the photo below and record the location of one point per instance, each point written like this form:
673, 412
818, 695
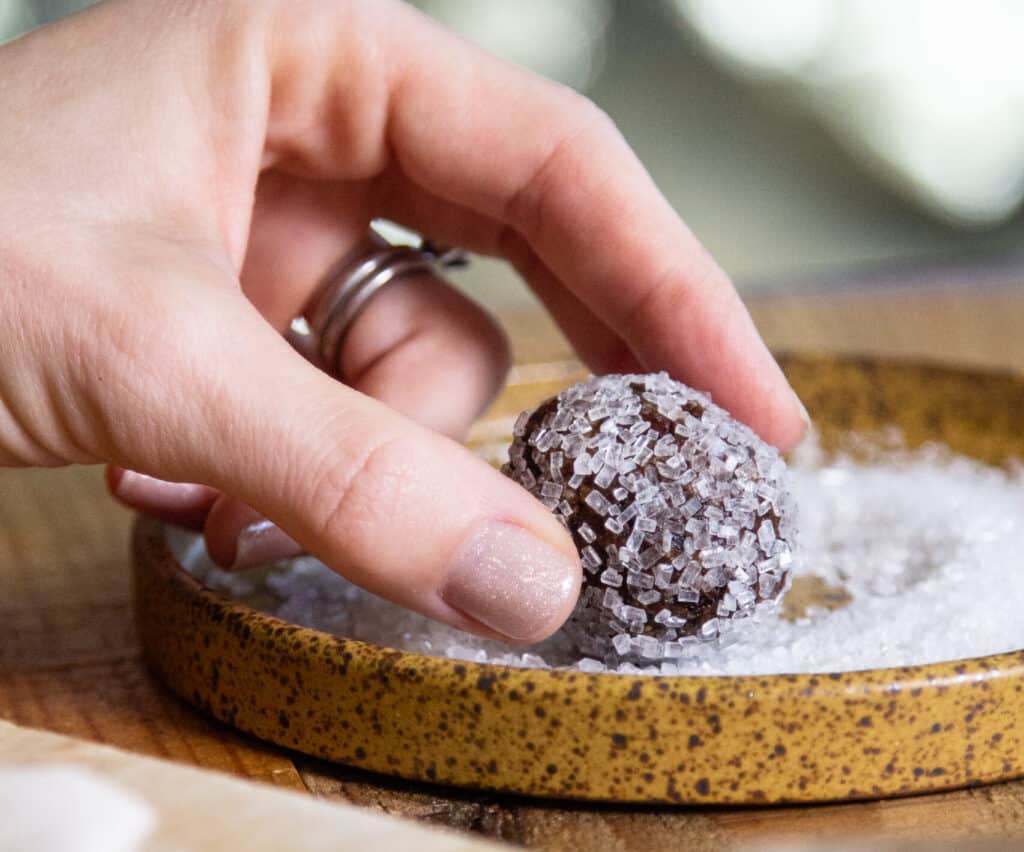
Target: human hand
171, 199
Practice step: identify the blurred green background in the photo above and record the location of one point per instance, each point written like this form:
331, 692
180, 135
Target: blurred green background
761, 182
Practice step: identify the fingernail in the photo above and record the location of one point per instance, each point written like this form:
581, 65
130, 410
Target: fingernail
803, 412
805, 450
263, 541
511, 581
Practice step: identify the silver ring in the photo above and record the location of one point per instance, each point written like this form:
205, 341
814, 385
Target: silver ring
348, 289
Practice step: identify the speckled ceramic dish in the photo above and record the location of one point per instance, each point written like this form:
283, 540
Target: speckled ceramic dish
780, 738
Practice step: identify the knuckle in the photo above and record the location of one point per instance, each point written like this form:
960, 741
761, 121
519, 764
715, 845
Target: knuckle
132, 341
493, 354
584, 126
476, 335
579, 126
673, 291
478, 357
149, 369
583, 111
356, 499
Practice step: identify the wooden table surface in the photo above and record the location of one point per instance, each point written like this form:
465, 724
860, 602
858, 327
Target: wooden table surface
70, 661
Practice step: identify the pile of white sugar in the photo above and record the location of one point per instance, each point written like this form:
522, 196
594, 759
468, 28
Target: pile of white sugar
925, 547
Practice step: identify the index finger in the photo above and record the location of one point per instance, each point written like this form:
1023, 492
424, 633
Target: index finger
545, 161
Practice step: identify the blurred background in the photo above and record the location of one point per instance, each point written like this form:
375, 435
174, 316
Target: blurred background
799, 139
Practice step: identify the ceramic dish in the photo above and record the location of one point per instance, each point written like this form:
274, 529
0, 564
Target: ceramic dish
568, 734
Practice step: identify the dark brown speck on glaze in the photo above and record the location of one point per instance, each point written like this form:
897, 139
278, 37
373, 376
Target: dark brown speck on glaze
753, 740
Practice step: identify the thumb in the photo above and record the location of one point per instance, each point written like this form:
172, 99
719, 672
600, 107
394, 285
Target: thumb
396, 508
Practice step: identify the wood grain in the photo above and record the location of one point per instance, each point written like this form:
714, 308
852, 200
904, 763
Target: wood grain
69, 659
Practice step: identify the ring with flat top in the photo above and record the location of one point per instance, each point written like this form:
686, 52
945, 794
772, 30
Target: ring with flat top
348, 289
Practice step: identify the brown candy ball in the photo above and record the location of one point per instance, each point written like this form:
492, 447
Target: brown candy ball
682, 515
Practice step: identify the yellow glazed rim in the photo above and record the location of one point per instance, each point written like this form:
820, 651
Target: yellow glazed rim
569, 734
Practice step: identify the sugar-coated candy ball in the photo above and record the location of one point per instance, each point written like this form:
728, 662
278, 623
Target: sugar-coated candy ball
682, 515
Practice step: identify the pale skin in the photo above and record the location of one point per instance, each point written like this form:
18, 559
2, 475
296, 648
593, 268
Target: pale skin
178, 175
